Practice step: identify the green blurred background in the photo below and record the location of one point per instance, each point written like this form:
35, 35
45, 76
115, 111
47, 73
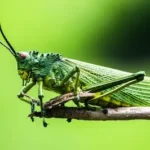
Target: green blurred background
111, 33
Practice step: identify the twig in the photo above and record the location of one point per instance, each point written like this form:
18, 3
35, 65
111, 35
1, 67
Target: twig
123, 113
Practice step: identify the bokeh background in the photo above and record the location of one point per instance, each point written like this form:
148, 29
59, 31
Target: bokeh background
110, 33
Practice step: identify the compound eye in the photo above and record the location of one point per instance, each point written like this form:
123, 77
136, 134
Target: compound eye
23, 55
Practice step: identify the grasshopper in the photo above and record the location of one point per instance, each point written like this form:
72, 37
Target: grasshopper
112, 88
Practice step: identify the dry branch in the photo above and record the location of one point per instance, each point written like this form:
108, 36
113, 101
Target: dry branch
122, 113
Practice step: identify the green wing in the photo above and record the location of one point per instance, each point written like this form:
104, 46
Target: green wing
137, 94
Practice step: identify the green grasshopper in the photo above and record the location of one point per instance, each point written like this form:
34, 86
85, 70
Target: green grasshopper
112, 88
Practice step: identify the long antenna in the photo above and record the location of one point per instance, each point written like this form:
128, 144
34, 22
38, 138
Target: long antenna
5, 46
9, 47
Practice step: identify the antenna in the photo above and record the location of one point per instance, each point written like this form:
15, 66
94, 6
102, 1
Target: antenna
9, 47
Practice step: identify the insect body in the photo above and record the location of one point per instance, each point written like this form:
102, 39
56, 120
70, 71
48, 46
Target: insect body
112, 88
